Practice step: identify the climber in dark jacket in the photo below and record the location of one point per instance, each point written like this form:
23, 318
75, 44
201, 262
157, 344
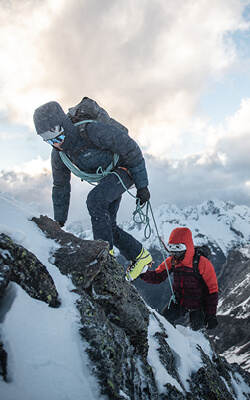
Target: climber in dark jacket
197, 296
90, 146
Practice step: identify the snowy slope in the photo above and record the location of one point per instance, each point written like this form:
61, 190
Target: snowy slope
47, 359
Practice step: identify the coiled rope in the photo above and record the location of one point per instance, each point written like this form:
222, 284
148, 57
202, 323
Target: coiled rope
140, 217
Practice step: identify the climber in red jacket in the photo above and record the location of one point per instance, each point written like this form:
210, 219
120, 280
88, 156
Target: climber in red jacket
195, 293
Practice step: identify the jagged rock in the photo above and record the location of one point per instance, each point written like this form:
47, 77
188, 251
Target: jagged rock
207, 384
81, 259
78, 258
5, 273
3, 362
115, 322
233, 330
120, 361
114, 316
21, 266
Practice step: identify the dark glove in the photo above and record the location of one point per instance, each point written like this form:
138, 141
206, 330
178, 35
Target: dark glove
142, 195
61, 223
210, 321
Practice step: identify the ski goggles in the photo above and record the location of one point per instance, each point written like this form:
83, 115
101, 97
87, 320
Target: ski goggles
57, 139
53, 133
177, 250
178, 255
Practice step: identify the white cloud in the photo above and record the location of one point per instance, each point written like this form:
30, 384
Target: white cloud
22, 25
34, 167
147, 63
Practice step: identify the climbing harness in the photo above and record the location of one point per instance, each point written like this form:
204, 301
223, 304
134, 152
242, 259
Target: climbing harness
90, 178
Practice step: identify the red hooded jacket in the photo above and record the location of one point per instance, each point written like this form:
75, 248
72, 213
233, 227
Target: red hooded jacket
190, 291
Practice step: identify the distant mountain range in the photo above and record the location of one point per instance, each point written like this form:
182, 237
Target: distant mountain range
225, 227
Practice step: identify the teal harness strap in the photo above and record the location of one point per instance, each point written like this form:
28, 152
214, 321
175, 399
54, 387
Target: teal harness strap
90, 178
86, 121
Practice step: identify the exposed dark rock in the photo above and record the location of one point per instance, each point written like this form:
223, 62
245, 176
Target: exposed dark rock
3, 362
114, 316
234, 312
114, 324
81, 259
21, 266
5, 272
212, 381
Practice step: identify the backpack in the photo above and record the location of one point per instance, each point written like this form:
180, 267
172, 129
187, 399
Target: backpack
88, 110
204, 251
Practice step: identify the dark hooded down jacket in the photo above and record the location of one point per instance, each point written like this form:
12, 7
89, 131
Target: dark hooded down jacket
103, 141
190, 291
106, 140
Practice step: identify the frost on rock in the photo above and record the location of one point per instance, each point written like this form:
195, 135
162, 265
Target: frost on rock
19, 265
133, 352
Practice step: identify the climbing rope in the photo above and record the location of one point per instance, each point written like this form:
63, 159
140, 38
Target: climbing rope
172, 298
140, 217
90, 178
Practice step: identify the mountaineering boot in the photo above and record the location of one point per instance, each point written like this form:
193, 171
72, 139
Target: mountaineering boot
135, 268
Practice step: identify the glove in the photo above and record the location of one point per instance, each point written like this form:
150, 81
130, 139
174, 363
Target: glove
142, 195
210, 321
61, 223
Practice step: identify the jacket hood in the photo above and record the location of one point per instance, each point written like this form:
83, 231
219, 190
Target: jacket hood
49, 115
184, 235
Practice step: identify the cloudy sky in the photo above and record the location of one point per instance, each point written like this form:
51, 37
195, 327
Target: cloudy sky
175, 72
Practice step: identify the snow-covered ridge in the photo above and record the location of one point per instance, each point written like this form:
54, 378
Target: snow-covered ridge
51, 351
224, 224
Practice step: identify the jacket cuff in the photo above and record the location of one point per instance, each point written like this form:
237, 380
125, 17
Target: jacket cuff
211, 303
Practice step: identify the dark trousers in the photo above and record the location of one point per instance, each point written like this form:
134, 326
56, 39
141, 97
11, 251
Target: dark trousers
179, 315
103, 203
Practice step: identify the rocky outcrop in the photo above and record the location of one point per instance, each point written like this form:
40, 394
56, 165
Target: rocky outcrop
19, 265
115, 323
114, 316
233, 331
3, 362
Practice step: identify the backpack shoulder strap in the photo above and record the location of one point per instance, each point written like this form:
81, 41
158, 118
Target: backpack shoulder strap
196, 261
83, 132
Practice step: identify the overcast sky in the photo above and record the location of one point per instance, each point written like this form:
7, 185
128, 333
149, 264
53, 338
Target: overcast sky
175, 72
